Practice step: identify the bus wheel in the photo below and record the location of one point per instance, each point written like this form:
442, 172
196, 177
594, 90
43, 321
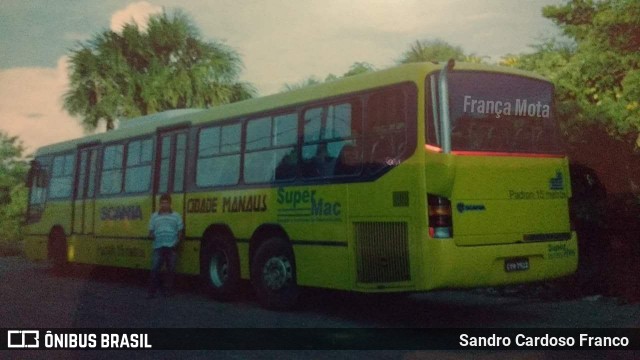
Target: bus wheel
57, 249
220, 267
273, 275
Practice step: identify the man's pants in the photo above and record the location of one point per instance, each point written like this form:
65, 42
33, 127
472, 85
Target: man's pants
168, 257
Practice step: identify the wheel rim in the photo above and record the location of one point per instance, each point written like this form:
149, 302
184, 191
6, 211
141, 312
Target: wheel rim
277, 271
218, 269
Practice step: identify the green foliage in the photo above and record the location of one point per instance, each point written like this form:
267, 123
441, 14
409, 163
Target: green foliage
356, 68
134, 73
434, 50
310, 81
12, 167
13, 194
596, 70
420, 51
359, 68
598, 74
12, 217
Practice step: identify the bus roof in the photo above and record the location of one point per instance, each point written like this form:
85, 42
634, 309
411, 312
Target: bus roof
148, 124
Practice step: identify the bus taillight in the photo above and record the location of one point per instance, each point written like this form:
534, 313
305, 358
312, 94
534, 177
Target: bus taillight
440, 221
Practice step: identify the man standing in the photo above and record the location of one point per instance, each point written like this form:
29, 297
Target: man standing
166, 230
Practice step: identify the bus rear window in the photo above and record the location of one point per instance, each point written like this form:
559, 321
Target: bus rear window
493, 112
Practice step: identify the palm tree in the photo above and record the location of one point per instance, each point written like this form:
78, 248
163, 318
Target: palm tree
137, 73
88, 94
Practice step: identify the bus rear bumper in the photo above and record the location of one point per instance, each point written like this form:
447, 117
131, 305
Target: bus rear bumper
447, 265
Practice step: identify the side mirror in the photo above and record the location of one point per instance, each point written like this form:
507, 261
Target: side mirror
37, 176
30, 176
34, 168
43, 179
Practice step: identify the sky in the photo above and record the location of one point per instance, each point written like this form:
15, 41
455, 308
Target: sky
280, 42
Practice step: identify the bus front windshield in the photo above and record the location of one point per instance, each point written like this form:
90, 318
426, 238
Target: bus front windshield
493, 112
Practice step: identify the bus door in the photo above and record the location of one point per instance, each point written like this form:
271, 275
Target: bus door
84, 197
171, 167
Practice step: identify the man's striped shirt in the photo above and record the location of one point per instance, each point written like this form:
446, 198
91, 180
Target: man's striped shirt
166, 229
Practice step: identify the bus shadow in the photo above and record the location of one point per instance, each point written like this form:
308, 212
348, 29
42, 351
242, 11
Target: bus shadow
440, 309
123, 277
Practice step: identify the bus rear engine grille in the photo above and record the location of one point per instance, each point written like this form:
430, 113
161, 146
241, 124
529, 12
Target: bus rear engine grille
382, 250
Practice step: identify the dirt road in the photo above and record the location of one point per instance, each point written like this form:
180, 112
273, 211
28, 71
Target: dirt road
31, 295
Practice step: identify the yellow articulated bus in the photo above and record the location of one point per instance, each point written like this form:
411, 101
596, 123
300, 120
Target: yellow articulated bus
414, 178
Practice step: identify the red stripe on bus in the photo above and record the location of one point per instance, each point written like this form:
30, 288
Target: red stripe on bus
491, 153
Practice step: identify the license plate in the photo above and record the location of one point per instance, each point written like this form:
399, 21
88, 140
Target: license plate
519, 264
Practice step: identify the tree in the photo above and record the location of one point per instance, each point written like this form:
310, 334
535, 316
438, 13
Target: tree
13, 168
432, 50
596, 70
136, 73
603, 76
13, 194
356, 68
310, 81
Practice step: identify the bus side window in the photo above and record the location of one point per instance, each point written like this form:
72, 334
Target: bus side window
218, 159
433, 120
349, 161
286, 168
271, 149
112, 168
61, 183
138, 166
387, 128
328, 129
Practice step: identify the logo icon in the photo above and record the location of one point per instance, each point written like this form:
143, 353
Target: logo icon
557, 182
462, 207
23, 339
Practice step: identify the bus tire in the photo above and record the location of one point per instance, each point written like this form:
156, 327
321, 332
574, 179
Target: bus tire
273, 275
57, 249
220, 267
